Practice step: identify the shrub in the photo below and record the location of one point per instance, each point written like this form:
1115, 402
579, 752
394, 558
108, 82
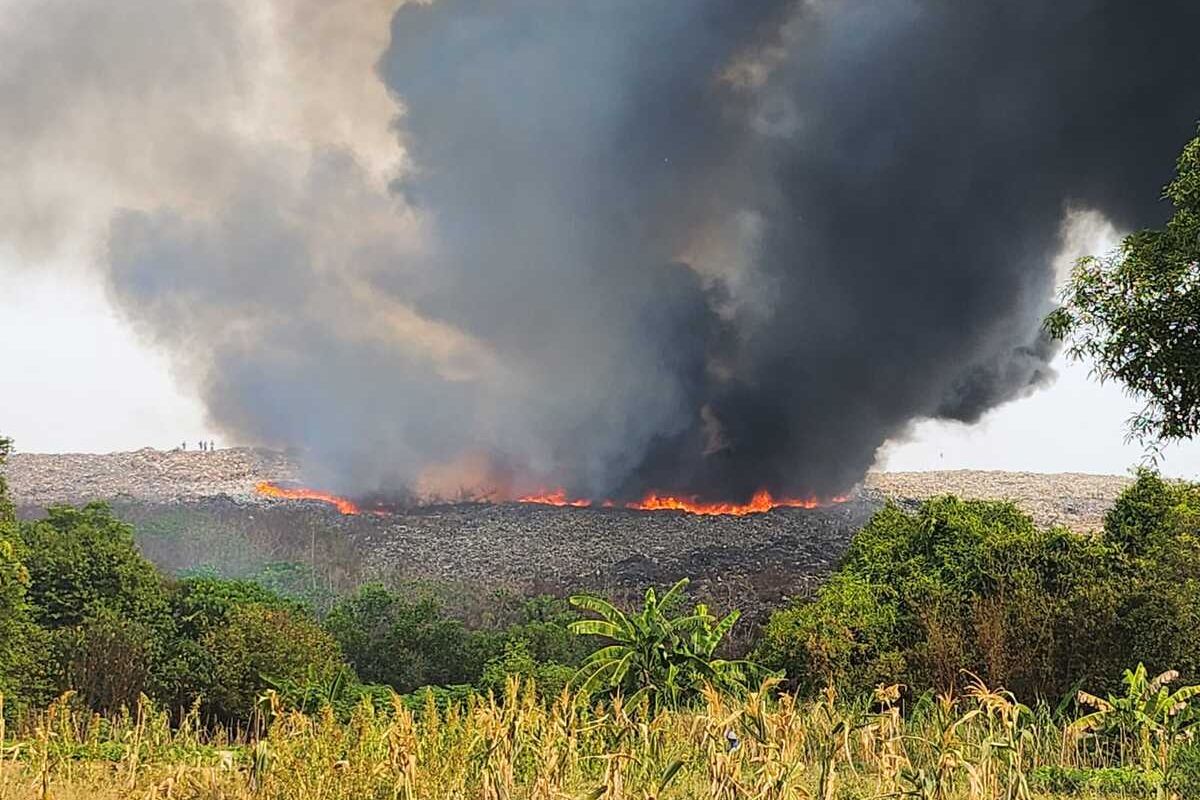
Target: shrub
200, 604
260, 647
550, 678
108, 660
957, 585
847, 638
82, 562
403, 644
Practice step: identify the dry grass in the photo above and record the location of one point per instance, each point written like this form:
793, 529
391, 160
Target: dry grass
982, 745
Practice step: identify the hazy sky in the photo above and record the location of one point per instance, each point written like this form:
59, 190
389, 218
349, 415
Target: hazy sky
76, 378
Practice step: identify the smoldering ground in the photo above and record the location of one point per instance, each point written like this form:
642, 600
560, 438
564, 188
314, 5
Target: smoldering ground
613, 245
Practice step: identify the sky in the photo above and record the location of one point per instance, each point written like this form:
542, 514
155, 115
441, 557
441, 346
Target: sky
76, 378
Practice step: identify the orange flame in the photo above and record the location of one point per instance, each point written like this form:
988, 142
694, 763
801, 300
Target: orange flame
761, 502
268, 489
557, 497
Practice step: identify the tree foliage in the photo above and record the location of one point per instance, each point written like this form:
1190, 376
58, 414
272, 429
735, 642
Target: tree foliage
658, 653
1136, 314
969, 585
259, 648
22, 646
83, 561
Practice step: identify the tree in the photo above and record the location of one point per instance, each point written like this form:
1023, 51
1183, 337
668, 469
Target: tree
21, 642
82, 561
955, 585
109, 660
8, 518
104, 607
1136, 314
203, 603
667, 659
404, 644
260, 648
847, 639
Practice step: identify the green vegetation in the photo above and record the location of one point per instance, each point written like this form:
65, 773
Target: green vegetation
1135, 314
666, 658
974, 586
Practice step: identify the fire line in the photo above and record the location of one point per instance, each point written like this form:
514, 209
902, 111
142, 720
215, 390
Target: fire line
762, 501
345, 506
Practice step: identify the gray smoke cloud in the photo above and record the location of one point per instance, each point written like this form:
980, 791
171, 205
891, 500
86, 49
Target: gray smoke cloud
610, 245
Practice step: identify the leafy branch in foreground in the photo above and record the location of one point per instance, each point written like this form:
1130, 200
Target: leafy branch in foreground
1136, 314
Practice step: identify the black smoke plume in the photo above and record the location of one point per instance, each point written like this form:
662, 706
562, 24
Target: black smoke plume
699, 247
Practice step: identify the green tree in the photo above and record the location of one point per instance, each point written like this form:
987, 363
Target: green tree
847, 639
104, 606
657, 653
260, 648
82, 561
200, 604
21, 641
1136, 314
110, 660
406, 644
956, 585
8, 517
1155, 524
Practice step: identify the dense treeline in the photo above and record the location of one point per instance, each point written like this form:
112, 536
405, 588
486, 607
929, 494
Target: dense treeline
923, 597
955, 585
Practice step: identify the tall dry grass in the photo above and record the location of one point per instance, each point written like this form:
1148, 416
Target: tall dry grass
761, 747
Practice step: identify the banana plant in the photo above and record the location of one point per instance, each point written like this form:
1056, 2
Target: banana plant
1149, 713
656, 657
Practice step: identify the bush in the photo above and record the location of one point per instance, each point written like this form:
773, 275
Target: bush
108, 660
405, 645
83, 562
260, 647
957, 585
846, 639
1184, 776
550, 678
200, 604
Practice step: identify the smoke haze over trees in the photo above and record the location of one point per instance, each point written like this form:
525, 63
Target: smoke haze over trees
616, 246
